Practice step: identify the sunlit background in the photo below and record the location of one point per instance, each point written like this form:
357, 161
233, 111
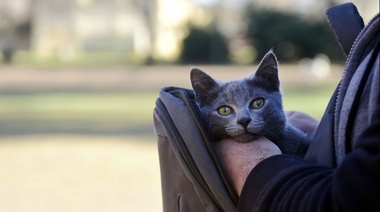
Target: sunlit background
79, 79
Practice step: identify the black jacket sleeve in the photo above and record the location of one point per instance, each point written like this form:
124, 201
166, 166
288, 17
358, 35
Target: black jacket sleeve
289, 183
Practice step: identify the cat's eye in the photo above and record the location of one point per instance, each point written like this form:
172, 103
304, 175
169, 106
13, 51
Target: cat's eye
224, 110
257, 103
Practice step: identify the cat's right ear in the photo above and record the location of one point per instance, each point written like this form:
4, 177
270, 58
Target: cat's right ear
202, 83
267, 72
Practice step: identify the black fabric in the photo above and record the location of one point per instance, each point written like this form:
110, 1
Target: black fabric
323, 140
347, 23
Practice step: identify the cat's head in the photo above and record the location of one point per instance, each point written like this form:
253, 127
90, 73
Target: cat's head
244, 108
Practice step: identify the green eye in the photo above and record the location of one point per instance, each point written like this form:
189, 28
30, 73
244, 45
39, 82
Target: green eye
257, 103
224, 110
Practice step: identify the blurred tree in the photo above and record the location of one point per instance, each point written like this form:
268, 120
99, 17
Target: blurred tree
290, 36
14, 34
6, 37
204, 47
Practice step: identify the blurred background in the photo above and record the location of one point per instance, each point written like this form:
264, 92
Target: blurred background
79, 79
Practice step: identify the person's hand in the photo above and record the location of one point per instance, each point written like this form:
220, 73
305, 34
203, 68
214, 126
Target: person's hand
238, 159
302, 121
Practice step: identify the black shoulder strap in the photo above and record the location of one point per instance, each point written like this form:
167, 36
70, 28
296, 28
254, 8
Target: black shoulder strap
346, 23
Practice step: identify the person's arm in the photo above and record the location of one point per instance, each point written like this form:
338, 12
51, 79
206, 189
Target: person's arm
238, 159
289, 183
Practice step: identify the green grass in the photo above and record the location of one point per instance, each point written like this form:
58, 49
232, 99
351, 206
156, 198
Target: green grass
312, 99
133, 107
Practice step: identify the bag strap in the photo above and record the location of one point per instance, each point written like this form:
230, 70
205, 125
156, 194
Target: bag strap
346, 23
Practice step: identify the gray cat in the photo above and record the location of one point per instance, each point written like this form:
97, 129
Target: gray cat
247, 108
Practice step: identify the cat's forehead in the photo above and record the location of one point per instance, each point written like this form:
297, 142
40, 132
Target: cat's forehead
241, 86
234, 86
240, 90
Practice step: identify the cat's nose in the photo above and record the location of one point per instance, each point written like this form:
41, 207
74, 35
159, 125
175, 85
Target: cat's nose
244, 121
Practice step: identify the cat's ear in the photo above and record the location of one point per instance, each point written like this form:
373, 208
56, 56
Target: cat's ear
202, 83
267, 72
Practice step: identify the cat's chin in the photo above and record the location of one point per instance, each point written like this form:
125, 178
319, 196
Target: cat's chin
246, 137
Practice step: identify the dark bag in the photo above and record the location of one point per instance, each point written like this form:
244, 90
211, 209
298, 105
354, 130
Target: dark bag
191, 178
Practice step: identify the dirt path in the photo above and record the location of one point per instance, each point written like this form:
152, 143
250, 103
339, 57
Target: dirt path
79, 174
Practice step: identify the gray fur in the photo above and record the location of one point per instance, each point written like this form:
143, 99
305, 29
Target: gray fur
246, 123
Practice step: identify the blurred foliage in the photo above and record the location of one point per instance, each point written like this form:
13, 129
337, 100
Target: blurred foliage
203, 46
291, 37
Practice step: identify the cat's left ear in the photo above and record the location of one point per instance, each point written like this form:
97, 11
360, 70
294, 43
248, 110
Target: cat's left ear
267, 71
203, 84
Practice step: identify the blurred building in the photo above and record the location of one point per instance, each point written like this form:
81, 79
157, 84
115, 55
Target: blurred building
147, 29
71, 27
141, 28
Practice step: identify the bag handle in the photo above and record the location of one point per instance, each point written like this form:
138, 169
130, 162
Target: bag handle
346, 23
